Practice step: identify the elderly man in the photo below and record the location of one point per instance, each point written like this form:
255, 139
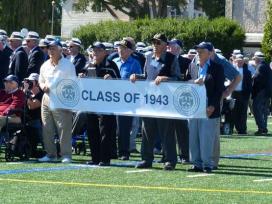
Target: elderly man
181, 126
11, 98
43, 44
55, 121
19, 59
101, 129
202, 132
234, 77
241, 93
76, 57
261, 93
36, 56
127, 65
5, 53
160, 66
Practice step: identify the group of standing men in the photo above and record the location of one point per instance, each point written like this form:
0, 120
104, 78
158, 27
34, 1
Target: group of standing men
198, 139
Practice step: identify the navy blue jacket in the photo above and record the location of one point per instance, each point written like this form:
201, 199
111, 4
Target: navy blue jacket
247, 82
214, 83
79, 62
19, 64
35, 61
4, 65
261, 79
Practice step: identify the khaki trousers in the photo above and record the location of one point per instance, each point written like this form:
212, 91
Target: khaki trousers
56, 122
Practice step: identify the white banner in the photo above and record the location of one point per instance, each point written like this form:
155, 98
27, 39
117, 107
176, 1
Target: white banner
121, 97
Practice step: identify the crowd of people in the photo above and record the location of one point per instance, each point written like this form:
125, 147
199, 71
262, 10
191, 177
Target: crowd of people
28, 63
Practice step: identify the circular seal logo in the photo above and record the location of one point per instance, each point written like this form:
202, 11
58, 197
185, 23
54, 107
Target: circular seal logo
186, 100
68, 92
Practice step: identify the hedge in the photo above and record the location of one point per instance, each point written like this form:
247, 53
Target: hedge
225, 34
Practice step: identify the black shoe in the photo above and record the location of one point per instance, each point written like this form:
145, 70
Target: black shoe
104, 163
168, 166
92, 163
143, 165
207, 170
261, 132
124, 158
195, 169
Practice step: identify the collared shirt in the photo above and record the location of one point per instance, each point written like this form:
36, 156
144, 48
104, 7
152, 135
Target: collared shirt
239, 86
202, 71
154, 65
64, 69
128, 67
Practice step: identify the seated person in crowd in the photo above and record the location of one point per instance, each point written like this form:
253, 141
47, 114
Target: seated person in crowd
11, 98
34, 96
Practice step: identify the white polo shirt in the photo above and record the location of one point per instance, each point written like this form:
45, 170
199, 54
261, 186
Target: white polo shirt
64, 69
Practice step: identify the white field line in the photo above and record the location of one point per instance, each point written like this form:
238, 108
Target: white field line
138, 171
262, 180
199, 175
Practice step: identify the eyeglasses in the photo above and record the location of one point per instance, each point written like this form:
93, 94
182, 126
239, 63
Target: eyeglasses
71, 46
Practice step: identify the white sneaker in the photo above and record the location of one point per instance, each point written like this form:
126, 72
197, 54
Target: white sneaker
66, 160
47, 159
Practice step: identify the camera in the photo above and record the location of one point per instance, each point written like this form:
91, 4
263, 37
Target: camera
30, 83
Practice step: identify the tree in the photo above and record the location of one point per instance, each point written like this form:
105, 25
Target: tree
31, 14
213, 8
267, 39
133, 8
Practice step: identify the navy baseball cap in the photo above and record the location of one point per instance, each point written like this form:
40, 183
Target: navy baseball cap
11, 78
204, 45
99, 45
55, 43
175, 41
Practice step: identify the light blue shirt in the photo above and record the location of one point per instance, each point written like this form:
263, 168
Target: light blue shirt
202, 71
128, 67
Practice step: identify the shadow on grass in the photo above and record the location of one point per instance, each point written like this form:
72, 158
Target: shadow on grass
246, 173
245, 158
244, 167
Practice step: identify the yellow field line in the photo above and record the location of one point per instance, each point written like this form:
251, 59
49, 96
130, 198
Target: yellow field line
165, 188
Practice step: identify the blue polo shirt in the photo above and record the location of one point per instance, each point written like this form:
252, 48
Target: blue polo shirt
128, 67
229, 70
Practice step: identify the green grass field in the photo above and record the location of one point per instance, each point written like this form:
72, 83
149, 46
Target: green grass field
240, 180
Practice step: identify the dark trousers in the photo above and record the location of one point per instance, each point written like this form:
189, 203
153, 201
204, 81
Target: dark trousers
101, 131
165, 127
79, 122
239, 113
124, 127
260, 110
182, 136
